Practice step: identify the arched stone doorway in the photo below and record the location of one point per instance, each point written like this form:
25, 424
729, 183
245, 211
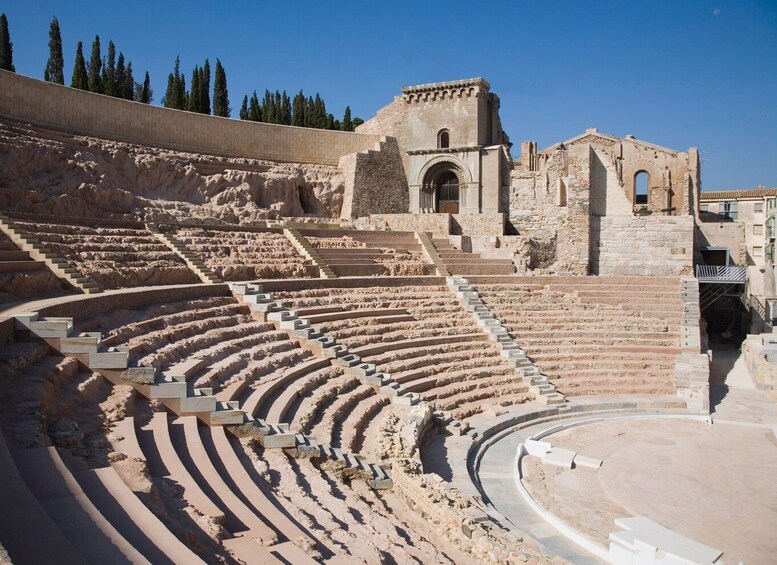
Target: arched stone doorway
441, 189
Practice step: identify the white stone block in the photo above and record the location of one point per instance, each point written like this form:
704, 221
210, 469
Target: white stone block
559, 457
537, 448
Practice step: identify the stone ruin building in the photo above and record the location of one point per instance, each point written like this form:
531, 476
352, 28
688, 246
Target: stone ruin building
236, 342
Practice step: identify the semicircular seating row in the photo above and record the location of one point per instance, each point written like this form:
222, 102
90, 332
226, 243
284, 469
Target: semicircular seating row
93, 514
593, 335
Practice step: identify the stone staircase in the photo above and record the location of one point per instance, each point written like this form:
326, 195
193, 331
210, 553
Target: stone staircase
538, 383
462, 263
431, 253
192, 261
308, 251
169, 387
31, 245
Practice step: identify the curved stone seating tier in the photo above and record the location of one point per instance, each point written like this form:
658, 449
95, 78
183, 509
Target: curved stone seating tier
75, 514
419, 335
120, 326
366, 253
239, 256
366, 523
214, 344
113, 257
593, 335
215, 482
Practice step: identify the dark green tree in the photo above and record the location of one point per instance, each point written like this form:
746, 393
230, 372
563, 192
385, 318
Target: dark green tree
298, 110
347, 124
330, 121
6, 47
268, 107
255, 109
80, 78
146, 94
128, 86
244, 108
109, 71
205, 88
310, 112
285, 109
357, 122
95, 65
195, 98
276, 107
220, 93
55, 66
175, 95
118, 77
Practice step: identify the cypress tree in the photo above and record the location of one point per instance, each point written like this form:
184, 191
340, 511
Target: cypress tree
320, 112
276, 107
146, 94
347, 124
220, 93
109, 71
6, 47
330, 121
128, 86
169, 96
118, 79
55, 65
309, 112
181, 93
95, 64
255, 110
268, 114
338, 125
205, 87
175, 95
194, 98
244, 108
80, 78
285, 109
298, 110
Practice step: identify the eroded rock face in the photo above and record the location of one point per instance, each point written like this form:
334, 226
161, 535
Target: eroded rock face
48, 172
402, 430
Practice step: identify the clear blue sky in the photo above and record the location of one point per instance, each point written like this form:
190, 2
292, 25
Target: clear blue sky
678, 73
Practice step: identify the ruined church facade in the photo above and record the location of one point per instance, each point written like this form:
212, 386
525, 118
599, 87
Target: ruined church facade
604, 204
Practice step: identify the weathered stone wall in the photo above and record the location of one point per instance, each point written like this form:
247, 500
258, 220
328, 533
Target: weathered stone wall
391, 120
375, 182
763, 373
672, 175
642, 245
69, 109
477, 224
692, 366
437, 224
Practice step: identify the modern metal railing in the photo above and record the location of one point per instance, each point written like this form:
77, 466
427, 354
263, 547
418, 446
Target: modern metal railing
717, 274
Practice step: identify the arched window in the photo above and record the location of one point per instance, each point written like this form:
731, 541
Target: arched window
641, 185
443, 139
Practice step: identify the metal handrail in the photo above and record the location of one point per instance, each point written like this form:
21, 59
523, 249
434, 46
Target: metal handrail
715, 273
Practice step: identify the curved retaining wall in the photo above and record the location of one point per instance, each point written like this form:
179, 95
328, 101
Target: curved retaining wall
76, 111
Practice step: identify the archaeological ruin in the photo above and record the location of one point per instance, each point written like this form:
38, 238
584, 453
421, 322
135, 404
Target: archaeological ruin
225, 341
